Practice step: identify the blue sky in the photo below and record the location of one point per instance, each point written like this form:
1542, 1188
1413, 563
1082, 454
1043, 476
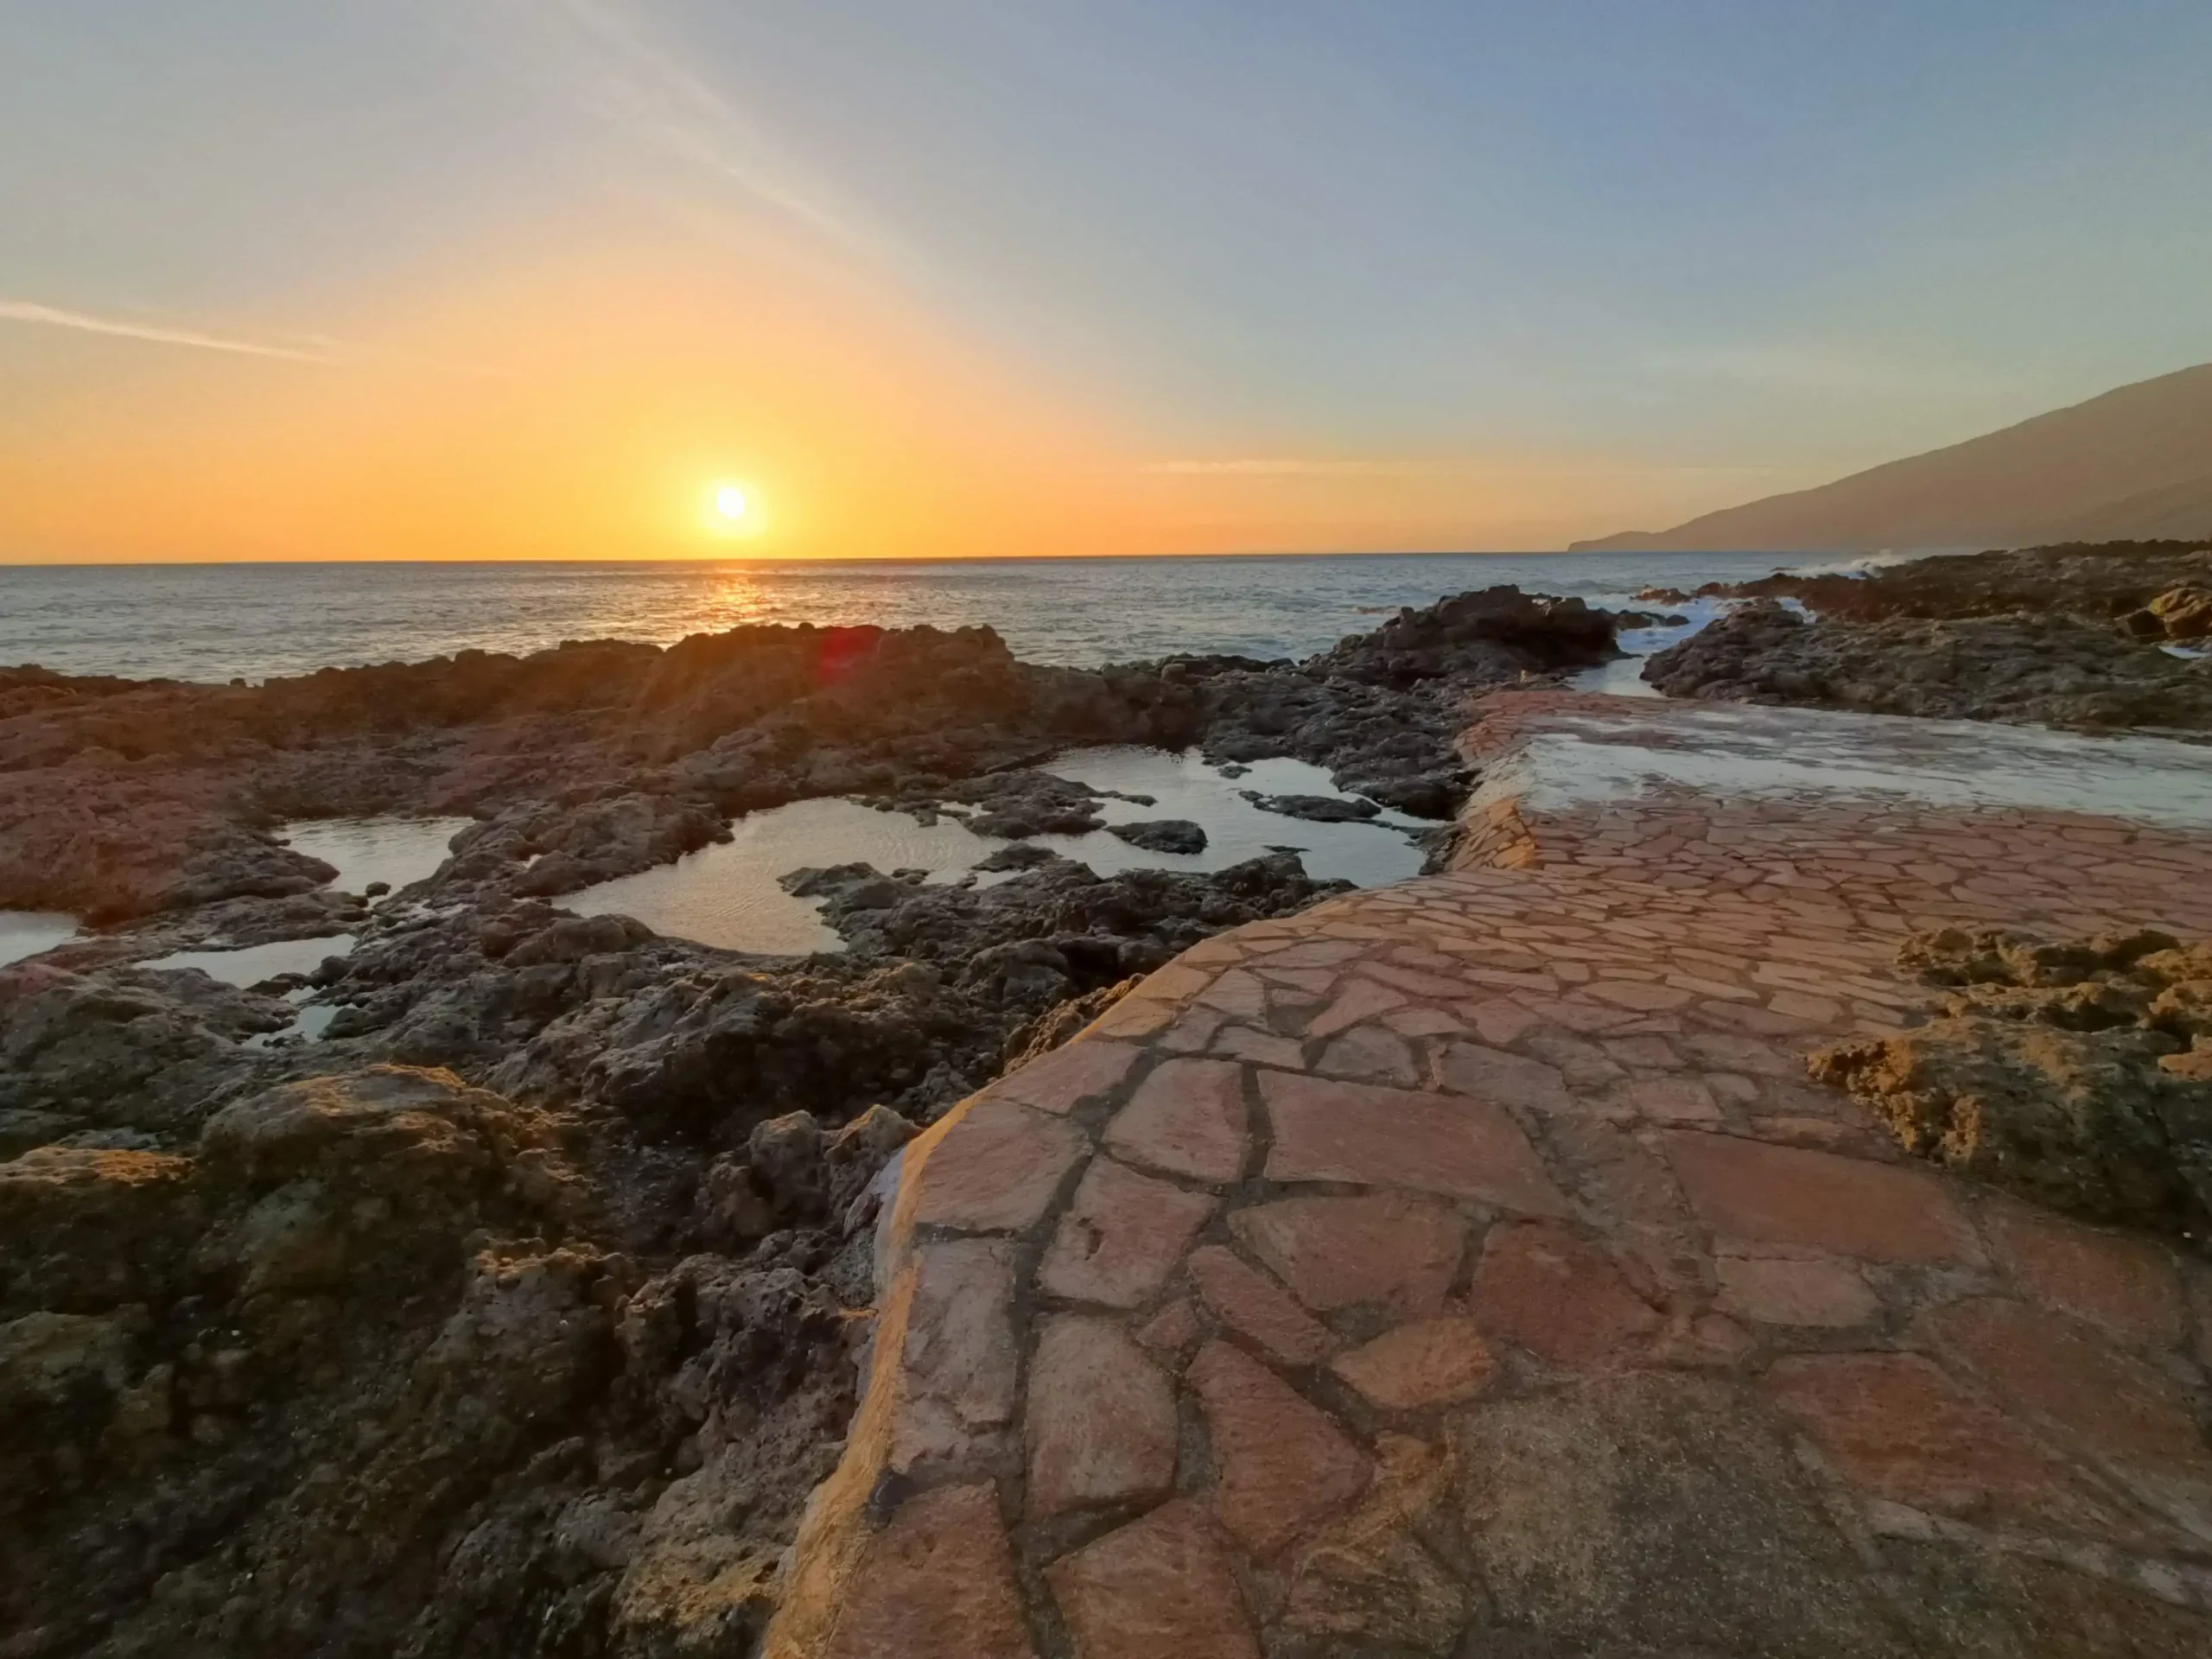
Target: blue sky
1768, 242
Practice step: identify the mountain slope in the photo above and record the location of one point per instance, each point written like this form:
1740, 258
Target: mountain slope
2134, 464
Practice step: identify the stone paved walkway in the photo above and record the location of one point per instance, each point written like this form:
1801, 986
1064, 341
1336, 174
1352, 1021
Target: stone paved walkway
1469, 1267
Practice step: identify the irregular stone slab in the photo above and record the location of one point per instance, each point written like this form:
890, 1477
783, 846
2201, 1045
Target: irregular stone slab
1071, 1074
1186, 1118
1655, 1513
1170, 1333
1879, 1212
1158, 1588
1359, 1000
1280, 1464
937, 1583
1555, 1295
1432, 1363
1100, 1427
1398, 1252
2126, 1285
1782, 1290
1243, 1043
958, 1363
1121, 1236
1328, 1131
1640, 994
1670, 1099
1501, 1079
994, 1170
1256, 1305
2129, 1411
1237, 993
1498, 1021
1897, 1426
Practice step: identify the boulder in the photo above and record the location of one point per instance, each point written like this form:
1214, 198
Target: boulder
1162, 835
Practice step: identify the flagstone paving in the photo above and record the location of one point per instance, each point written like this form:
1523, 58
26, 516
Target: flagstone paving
1470, 1267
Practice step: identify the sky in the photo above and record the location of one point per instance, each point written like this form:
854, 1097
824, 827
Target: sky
540, 279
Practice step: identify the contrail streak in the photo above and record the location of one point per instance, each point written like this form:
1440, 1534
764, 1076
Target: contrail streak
54, 317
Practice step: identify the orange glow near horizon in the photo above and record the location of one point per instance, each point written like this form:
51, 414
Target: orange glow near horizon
559, 405
569, 408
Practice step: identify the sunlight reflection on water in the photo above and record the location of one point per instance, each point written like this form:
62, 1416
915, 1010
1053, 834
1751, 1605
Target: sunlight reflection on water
211, 622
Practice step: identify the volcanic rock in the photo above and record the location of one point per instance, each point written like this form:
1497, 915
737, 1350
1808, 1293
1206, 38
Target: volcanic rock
1162, 834
2054, 669
2050, 1070
1314, 809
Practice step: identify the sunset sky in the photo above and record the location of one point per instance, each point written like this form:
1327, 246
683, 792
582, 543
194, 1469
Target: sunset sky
536, 278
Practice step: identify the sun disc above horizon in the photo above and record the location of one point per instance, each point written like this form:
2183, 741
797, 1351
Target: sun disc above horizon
730, 509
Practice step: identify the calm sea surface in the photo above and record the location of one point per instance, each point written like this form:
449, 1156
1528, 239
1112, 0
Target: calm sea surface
217, 621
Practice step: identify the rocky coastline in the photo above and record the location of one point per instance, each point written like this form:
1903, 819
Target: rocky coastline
2074, 637
518, 1313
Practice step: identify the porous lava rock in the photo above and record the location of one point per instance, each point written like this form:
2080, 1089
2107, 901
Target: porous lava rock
2077, 1074
362, 1372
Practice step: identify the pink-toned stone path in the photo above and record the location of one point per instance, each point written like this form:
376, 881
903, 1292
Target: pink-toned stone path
1469, 1267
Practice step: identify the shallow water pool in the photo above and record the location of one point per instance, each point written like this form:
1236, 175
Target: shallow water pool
26, 932
728, 895
252, 964
367, 850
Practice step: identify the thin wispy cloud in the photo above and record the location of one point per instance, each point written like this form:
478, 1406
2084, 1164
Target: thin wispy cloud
52, 316
623, 77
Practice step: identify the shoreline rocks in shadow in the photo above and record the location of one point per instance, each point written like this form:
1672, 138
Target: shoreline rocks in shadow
2056, 670
2067, 636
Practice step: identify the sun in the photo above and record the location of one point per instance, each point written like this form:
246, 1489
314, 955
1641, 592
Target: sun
728, 507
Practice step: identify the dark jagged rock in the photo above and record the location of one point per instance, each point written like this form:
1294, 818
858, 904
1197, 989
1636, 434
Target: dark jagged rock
2092, 579
1383, 710
1162, 834
597, 759
119, 1053
124, 799
2055, 669
1021, 856
360, 1371
1314, 809
1478, 637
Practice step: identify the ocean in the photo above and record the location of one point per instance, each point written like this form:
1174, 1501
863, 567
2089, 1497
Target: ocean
257, 621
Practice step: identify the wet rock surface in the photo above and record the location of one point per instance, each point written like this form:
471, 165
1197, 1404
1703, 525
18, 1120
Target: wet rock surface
518, 1313
2078, 1075
2063, 636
